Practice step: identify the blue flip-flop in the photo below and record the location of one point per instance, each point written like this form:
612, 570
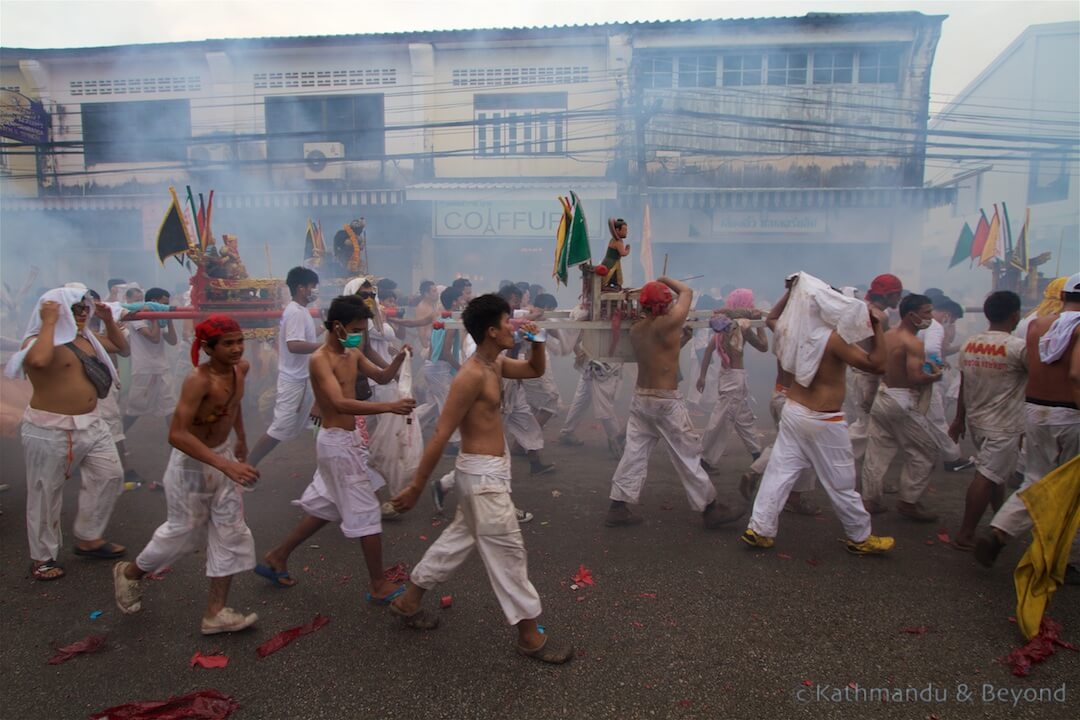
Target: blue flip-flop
274, 576
385, 600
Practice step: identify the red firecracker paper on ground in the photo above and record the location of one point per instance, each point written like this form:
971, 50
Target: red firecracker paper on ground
89, 644
943, 535
917, 630
583, 576
1037, 649
397, 573
209, 661
199, 705
446, 601
285, 637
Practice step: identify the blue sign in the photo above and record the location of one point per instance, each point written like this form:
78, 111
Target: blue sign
22, 119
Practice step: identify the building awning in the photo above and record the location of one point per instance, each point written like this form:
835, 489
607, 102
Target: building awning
222, 199
799, 198
545, 190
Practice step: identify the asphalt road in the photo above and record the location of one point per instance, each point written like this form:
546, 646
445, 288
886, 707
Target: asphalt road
681, 622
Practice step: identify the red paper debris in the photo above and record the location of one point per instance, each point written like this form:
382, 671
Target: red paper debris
943, 535
915, 630
424, 538
783, 556
89, 644
436, 522
583, 576
682, 703
651, 596
446, 601
216, 660
285, 637
200, 705
808, 683
398, 573
929, 542
581, 598
1037, 649
636, 624
813, 562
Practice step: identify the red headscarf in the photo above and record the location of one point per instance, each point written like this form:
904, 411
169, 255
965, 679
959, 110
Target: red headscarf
213, 326
655, 296
885, 284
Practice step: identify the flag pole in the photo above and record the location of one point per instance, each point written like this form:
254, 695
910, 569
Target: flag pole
269, 267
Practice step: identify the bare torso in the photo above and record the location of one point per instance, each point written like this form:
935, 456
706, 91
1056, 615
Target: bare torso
63, 387
656, 347
482, 428
900, 346
1050, 383
424, 309
826, 391
345, 368
220, 404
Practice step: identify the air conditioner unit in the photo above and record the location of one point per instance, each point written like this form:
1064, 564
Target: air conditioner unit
209, 153
322, 161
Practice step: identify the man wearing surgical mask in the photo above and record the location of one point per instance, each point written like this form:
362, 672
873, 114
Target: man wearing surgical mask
897, 421
296, 341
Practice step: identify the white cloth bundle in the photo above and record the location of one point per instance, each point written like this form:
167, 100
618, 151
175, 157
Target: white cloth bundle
814, 310
1053, 344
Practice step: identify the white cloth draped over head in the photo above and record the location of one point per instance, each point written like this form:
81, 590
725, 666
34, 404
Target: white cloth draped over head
64, 332
814, 310
1053, 344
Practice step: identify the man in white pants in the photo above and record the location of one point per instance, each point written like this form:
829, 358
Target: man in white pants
883, 295
813, 434
485, 519
732, 409
150, 393
62, 429
296, 341
1052, 429
658, 412
597, 386
897, 422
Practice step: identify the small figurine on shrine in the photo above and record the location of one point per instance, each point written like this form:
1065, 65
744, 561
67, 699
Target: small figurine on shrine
617, 249
226, 263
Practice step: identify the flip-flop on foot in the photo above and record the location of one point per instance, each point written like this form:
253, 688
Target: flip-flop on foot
552, 651
46, 571
384, 600
962, 547
276, 577
419, 620
105, 551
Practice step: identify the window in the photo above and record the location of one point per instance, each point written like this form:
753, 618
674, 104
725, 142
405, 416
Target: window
787, 69
742, 70
1049, 178
356, 121
147, 131
833, 68
697, 71
520, 124
879, 66
656, 72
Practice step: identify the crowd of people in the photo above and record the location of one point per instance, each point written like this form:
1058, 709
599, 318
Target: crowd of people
485, 391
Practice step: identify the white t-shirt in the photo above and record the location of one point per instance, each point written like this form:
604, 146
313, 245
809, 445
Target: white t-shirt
296, 324
933, 338
147, 357
995, 375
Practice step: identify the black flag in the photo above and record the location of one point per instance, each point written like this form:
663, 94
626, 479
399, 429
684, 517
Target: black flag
173, 238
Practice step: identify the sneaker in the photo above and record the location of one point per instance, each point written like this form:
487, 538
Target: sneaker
916, 512
716, 515
541, 469
987, 547
438, 495
128, 592
958, 465
388, 511
570, 441
523, 516
622, 517
754, 540
872, 545
228, 620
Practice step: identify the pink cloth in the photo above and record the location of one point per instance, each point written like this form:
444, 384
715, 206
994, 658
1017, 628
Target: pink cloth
743, 298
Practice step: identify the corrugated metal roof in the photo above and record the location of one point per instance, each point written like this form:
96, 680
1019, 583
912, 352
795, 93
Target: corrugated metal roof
494, 33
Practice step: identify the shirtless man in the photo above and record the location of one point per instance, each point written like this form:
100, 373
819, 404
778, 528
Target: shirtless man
201, 481
62, 429
732, 406
1052, 419
427, 311
658, 411
896, 421
813, 435
883, 295
485, 518
343, 489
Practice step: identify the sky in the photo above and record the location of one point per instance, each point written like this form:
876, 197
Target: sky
975, 32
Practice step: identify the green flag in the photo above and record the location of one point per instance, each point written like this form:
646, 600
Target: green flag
963, 246
572, 239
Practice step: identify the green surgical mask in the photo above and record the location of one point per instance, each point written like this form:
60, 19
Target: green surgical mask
353, 340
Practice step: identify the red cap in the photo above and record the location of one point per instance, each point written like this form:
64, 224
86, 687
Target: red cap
212, 327
885, 284
655, 296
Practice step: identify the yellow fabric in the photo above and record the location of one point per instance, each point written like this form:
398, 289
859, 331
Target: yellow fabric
1054, 506
1051, 303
